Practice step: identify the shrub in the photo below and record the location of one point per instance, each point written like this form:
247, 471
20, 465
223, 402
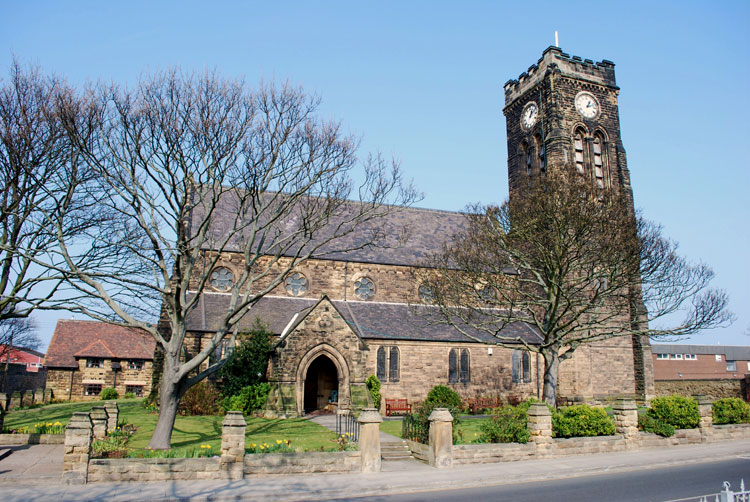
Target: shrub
373, 385
200, 399
249, 399
507, 425
731, 410
248, 362
678, 411
580, 421
443, 396
649, 424
129, 395
109, 393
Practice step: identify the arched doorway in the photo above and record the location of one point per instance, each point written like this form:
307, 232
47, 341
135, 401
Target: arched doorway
321, 384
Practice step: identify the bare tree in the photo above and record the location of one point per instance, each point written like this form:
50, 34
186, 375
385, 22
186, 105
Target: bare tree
576, 264
15, 333
192, 170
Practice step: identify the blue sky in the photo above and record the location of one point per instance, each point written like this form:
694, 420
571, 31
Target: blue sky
422, 82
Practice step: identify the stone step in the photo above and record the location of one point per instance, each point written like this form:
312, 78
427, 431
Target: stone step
395, 451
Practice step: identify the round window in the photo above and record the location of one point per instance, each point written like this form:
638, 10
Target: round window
426, 294
296, 284
364, 288
487, 294
222, 278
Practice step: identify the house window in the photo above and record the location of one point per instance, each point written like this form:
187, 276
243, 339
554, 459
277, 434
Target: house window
364, 288
135, 364
662, 356
393, 368
691, 357
453, 366
465, 372
521, 371
528, 157
94, 363
578, 144
92, 389
718, 357
731, 365
678, 356
381, 364
136, 390
459, 366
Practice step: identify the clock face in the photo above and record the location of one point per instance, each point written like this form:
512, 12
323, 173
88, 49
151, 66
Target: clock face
529, 115
587, 105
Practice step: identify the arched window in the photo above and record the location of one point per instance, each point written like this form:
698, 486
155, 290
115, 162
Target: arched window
453, 366
381, 364
393, 366
578, 144
542, 160
528, 157
465, 372
521, 371
598, 148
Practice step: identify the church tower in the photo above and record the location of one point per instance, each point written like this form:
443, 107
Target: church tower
562, 113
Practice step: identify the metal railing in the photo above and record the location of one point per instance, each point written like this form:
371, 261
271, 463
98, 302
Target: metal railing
346, 424
414, 429
727, 495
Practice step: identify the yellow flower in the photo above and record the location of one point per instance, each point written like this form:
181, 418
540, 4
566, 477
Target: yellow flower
278, 441
252, 445
49, 424
58, 424
208, 446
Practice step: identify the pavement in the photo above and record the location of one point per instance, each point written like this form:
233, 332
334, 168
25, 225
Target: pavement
397, 477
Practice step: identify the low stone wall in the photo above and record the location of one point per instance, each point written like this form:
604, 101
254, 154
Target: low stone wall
418, 450
21, 439
714, 389
153, 469
296, 463
489, 453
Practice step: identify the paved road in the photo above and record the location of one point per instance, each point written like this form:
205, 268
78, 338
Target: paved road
684, 483
408, 477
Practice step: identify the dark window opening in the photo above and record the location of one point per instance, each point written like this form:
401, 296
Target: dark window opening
393, 366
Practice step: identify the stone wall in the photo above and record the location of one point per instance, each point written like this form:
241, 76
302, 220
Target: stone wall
21, 439
295, 463
18, 379
152, 469
64, 387
715, 389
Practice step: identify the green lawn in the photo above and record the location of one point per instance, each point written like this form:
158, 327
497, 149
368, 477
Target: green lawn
189, 432
469, 427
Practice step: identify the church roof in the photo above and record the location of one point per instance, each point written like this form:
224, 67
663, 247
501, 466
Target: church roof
402, 236
370, 320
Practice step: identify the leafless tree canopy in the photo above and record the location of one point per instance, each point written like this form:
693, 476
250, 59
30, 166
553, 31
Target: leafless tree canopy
575, 263
188, 168
38, 177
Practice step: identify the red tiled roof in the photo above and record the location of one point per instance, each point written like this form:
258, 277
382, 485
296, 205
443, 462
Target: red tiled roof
73, 339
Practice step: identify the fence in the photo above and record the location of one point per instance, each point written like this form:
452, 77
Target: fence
415, 430
347, 424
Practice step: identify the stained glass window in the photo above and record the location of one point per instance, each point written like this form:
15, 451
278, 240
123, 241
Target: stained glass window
222, 278
296, 284
364, 288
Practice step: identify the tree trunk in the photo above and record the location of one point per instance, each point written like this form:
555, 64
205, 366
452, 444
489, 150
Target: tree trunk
551, 366
170, 392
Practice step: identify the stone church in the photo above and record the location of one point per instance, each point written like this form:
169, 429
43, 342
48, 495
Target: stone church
340, 319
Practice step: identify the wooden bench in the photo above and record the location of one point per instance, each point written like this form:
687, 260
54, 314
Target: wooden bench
479, 404
397, 406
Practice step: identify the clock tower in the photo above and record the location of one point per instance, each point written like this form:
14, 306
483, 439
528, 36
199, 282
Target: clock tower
562, 113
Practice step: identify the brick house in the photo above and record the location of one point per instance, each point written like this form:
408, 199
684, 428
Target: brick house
32, 359
714, 370
85, 357
344, 316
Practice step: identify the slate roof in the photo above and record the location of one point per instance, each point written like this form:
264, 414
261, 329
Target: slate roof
370, 320
73, 339
732, 352
409, 233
